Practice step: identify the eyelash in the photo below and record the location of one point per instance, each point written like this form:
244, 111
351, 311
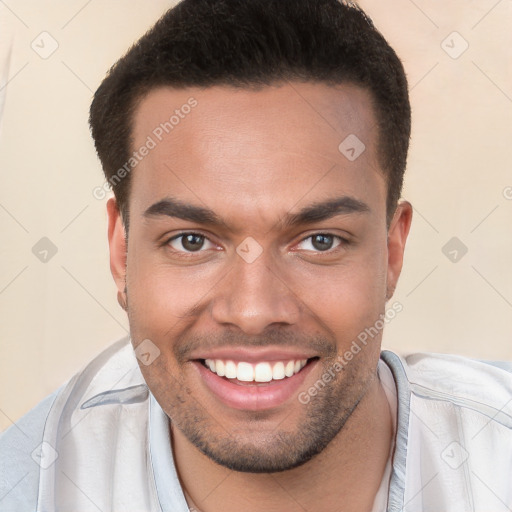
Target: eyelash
342, 241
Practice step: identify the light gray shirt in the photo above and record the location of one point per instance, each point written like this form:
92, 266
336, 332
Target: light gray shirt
101, 441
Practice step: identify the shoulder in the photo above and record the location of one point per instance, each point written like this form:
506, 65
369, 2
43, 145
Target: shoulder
445, 382
458, 375
455, 374
455, 431
22, 445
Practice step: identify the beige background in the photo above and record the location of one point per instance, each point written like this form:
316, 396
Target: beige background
57, 315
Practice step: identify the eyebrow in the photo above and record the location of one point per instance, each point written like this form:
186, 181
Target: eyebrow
174, 208
325, 210
316, 212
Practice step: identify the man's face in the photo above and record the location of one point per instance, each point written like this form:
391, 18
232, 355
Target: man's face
257, 243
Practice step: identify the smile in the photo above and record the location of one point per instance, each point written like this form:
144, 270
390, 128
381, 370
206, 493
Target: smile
255, 385
255, 372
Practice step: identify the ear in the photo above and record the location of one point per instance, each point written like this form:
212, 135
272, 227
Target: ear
397, 236
117, 245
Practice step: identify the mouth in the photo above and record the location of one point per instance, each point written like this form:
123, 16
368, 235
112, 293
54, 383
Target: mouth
255, 385
243, 372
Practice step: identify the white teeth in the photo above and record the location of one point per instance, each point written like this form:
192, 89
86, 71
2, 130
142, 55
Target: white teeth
288, 371
262, 372
219, 368
259, 372
230, 369
278, 371
244, 372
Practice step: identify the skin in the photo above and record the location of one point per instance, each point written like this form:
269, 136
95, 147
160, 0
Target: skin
254, 158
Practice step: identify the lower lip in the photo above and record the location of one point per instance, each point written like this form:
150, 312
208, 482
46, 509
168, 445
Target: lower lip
253, 396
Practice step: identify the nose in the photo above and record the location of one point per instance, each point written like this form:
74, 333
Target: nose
254, 296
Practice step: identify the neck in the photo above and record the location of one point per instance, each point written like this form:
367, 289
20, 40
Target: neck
344, 477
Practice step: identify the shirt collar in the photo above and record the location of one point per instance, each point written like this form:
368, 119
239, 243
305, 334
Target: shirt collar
168, 487
397, 482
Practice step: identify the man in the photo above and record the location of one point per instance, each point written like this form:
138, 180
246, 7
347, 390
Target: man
256, 150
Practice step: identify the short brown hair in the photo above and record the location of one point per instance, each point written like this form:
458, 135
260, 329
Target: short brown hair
253, 43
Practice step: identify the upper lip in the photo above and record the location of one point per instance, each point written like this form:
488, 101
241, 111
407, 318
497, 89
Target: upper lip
252, 355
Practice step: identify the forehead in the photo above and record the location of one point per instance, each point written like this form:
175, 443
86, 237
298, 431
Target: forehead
264, 147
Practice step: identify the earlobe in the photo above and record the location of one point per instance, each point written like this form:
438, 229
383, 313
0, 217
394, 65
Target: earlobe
121, 299
397, 237
117, 246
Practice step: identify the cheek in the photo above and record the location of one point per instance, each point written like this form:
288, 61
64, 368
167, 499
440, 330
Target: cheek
162, 297
348, 298
160, 294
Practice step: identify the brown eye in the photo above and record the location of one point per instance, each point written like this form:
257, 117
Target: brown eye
189, 242
321, 242
192, 242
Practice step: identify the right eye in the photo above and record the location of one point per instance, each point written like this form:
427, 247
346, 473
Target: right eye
189, 242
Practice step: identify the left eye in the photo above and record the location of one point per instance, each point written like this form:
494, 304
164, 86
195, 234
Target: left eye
190, 242
320, 242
